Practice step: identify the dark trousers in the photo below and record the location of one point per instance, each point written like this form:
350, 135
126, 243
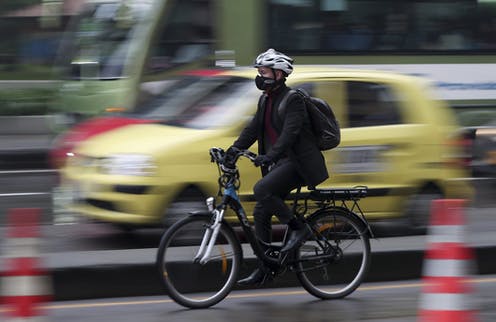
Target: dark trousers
270, 193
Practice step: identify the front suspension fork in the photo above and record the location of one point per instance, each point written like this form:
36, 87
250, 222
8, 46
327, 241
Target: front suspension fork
212, 231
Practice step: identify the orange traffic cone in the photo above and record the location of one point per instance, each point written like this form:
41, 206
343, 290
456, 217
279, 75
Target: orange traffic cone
25, 284
446, 291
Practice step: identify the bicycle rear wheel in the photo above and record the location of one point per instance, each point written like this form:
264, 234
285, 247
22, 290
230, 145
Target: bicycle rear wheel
335, 259
186, 280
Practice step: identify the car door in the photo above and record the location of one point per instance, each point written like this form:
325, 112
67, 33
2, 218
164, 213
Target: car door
376, 144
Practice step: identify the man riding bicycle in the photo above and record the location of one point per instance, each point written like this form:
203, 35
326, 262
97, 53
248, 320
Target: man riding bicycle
288, 153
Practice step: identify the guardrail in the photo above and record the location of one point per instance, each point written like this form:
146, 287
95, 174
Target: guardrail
25, 141
26, 133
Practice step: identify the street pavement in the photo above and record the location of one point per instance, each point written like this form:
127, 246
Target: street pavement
372, 302
91, 260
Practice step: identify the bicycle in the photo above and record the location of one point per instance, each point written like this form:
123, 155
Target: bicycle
204, 248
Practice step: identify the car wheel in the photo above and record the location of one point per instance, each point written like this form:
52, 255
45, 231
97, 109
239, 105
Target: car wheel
127, 229
418, 209
191, 199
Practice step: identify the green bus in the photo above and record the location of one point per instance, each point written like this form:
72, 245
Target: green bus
118, 51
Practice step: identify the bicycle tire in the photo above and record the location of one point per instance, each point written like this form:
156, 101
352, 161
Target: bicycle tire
334, 261
190, 283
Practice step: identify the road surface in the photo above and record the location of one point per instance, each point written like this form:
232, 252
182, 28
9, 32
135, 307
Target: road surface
392, 301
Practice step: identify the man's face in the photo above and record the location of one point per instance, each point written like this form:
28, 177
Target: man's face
267, 72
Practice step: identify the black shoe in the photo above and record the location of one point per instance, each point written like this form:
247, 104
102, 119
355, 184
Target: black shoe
257, 277
296, 237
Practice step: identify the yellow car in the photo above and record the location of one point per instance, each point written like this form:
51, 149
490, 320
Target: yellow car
396, 140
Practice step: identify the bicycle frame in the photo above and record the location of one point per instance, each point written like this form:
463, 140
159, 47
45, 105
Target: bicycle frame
325, 199
230, 198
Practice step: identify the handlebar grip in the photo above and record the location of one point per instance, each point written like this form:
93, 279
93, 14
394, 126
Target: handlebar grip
250, 155
220, 156
216, 154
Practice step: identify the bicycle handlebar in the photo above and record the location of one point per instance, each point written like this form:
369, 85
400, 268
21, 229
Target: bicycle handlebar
218, 156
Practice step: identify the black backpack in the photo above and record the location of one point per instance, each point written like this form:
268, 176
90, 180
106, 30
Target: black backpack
324, 124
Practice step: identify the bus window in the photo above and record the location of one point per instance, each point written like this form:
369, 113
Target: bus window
185, 37
98, 44
114, 46
299, 26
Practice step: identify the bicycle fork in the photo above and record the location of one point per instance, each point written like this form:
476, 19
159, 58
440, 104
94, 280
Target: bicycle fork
211, 233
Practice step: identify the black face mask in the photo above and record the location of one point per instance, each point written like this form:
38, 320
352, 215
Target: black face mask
264, 83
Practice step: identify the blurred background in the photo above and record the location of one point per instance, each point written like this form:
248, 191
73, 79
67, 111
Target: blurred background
65, 61
71, 70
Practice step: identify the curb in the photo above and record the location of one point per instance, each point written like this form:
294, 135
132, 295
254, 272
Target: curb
128, 280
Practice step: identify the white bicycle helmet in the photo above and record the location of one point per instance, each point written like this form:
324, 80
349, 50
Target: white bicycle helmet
275, 60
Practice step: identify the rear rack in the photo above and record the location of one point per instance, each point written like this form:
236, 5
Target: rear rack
338, 197
352, 194
345, 198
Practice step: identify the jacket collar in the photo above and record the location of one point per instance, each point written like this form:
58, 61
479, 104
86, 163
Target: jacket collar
277, 91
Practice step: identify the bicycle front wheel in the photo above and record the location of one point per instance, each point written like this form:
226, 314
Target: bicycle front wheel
189, 281
335, 259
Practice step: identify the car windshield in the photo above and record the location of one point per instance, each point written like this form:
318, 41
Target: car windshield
200, 102
98, 41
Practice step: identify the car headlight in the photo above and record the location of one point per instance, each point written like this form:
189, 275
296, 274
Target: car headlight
78, 160
129, 165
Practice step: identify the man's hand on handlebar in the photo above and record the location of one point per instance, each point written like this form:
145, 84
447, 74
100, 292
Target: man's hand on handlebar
230, 157
263, 160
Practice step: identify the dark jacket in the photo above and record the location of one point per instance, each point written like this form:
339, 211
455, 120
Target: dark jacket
295, 138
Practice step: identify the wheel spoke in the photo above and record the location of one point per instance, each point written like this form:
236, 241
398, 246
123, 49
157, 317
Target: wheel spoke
184, 277
335, 262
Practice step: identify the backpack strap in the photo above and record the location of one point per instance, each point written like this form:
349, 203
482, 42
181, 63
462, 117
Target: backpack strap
300, 91
303, 93
281, 109
262, 100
